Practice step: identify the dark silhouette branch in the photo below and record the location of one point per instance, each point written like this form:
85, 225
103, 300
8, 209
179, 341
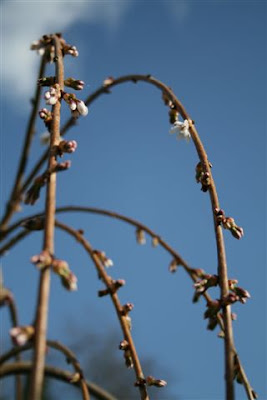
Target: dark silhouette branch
56, 373
15, 196
70, 357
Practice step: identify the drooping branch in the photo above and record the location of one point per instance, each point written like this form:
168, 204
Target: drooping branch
15, 199
56, 373
222, 264
70, 357
115, 299
191, 271
48, 244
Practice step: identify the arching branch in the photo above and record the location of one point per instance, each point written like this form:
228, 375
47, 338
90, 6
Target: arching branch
56, 373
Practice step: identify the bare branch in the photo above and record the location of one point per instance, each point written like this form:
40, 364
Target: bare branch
56, 373
115, 299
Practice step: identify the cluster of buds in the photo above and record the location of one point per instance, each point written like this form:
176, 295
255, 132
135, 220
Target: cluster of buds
6, 296
203, 176
68, 279
71, 50
203, 284
66, 146
53, 94
237, 293
76, 106
150, 381
124, 345
42, 260
140, 236
114, 287
75, 84
228, 223
174, 265
213, 308
21, 335
34, 224
46, 116
46, 44
107, 262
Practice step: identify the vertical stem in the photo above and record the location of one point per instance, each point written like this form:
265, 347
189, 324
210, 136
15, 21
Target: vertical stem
48, 244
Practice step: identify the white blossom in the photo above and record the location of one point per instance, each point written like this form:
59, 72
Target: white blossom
182, 129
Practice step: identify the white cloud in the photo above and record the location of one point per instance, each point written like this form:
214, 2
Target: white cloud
25, 21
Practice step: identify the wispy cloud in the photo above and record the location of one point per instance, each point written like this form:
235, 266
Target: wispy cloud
25, 21
179, 9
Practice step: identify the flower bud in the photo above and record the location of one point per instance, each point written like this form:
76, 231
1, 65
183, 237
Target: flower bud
151, 381
20, 335
74, 83
81, 107
140, 236
42, 260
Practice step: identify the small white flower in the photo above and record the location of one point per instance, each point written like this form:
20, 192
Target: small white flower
81, 107
182, 129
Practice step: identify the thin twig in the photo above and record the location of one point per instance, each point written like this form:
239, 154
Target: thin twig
56, 373
115, 299
14, 200
48, 245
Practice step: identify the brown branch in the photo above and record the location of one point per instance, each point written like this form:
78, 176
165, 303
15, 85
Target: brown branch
164, 244
115, 299
8, 299
48, 245
56, 373
70, 356
15, 196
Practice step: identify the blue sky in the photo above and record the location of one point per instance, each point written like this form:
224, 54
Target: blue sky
213, 55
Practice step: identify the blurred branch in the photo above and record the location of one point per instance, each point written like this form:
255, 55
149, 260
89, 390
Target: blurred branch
48, 245
7, 298
15, 196
70, 358
56, 373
